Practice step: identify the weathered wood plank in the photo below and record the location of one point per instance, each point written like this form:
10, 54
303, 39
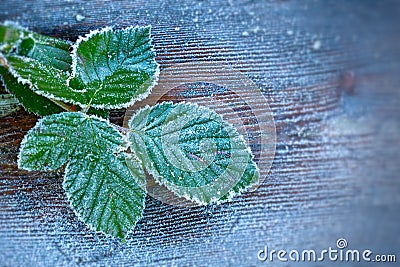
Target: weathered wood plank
329, 70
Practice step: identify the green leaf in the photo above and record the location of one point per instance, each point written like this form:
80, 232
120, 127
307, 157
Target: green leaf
101, 189
47, 50
50, 51
38, 83
45, 80
192, 151
31, 101
115, 67
111, 69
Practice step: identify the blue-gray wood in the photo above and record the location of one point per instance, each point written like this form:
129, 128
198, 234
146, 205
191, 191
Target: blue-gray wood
329, 70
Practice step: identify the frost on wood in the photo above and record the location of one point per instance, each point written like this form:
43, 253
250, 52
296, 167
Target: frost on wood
8, 104
192, 151
101, 189
114, 67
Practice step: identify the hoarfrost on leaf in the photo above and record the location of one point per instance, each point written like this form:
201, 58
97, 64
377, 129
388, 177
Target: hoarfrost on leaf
18, 41
187, 148
47, 50
44, 79
114, 67
31, 101
100, 187
192, 151
106, 69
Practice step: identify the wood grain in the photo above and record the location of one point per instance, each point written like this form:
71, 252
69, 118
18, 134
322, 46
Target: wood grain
329, 70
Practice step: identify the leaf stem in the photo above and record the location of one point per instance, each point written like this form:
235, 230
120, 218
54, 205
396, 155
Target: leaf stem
62, 105
121, 129
3, 61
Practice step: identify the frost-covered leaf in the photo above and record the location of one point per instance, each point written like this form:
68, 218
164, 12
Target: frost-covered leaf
111, 69
101, 189
105, 193
45, 80
38, 83
50, 51
192, 151
51, 83
47, 50
31, 101
33, 75
115, 67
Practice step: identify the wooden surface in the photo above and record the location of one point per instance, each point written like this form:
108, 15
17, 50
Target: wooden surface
330, 71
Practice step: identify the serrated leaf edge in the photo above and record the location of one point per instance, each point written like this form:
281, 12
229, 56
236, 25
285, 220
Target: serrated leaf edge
36, 89
164, 182
8, 91
85, 38
29, 34
22, 80
75, 46
123, 147
91, 227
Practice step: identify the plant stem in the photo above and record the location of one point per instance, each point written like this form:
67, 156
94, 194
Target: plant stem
62, 105
3, 61
121, 129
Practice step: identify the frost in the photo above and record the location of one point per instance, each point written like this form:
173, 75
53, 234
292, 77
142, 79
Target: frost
106, 69
8, 104
79, 17
116, 67
102, 190
44, 80
18, 41
47, 50
187, 148
192, 151
317, 45
31, 101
